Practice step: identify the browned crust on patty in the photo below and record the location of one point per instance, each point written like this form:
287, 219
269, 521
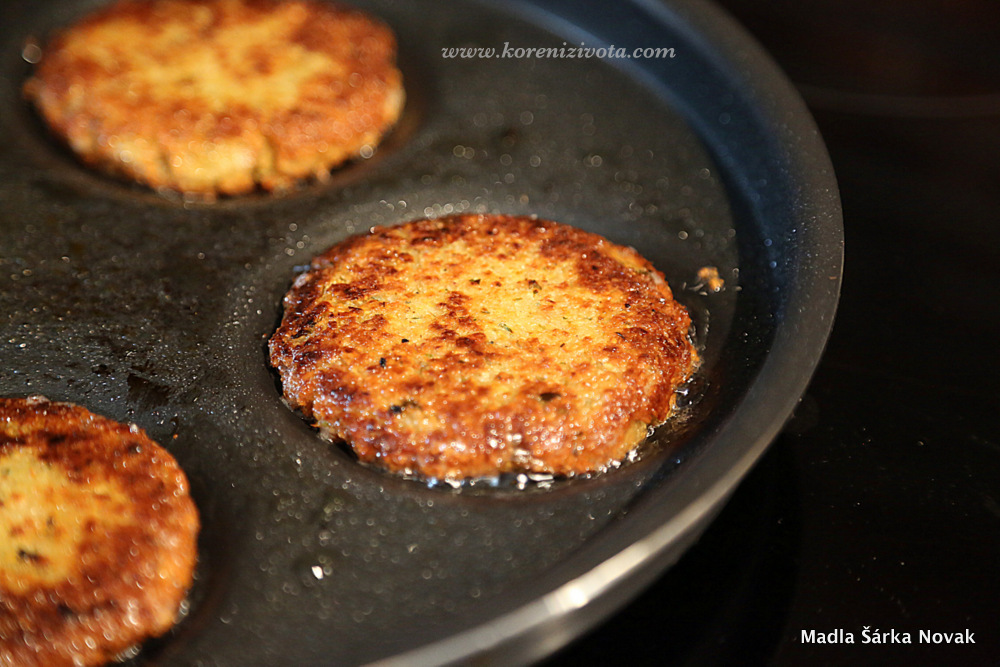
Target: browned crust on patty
97, 535
475, 345
214, 97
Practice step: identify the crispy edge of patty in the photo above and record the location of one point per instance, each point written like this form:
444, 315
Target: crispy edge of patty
344, 366
164, 136
133, 566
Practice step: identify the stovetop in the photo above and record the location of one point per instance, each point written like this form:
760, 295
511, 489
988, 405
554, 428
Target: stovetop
875, 516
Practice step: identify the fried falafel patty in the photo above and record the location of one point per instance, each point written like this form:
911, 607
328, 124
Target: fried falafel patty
214, 97
474, 345
97, 535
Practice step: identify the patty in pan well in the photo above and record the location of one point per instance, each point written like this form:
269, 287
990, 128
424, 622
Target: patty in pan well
97, 535
212, 97
474, 345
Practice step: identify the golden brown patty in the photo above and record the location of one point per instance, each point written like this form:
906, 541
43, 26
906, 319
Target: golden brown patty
97, 535
475, 345
215, 96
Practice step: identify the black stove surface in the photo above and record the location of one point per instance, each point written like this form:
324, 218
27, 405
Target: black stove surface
875, 516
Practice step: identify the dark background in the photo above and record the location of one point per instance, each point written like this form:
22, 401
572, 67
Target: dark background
879, 505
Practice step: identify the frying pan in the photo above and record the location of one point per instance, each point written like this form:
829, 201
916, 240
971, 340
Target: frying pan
154, 310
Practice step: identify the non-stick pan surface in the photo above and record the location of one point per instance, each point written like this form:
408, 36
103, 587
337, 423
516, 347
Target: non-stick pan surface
156, 311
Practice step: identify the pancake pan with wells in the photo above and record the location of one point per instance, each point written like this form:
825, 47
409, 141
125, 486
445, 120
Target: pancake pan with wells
149, 309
